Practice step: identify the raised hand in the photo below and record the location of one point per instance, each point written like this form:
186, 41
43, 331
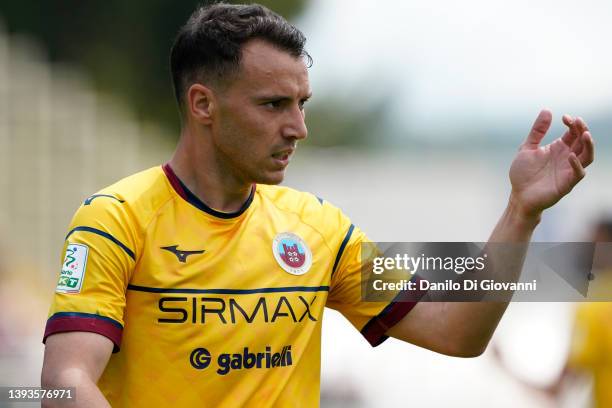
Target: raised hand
542, 175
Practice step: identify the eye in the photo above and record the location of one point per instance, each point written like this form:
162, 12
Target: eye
302, 103
273, 104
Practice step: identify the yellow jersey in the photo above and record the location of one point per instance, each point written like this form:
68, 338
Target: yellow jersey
591, 348
207, 308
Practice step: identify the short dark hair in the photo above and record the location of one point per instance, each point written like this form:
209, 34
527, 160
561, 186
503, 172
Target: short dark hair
209, 46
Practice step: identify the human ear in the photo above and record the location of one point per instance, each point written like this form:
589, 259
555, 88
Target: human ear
201, 103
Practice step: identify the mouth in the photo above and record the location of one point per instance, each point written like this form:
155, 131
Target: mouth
282, 157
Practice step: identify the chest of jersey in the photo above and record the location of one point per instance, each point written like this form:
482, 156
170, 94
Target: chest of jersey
231, 283
263, 248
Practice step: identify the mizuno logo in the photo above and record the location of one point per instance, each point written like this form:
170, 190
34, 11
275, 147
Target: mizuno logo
93, 197
181, 255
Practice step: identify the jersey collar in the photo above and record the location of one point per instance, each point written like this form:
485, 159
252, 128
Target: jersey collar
182, 190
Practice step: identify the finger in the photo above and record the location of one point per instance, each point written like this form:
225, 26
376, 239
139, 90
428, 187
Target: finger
582, 125
569, 138
587, 155
538, 130
578, 147
576, 166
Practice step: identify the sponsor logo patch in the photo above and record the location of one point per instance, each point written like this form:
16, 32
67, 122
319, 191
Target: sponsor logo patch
200, 358
73, 269
292, 253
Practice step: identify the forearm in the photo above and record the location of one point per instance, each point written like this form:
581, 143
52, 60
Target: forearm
516, 225
472, 323
87, 393
540, 176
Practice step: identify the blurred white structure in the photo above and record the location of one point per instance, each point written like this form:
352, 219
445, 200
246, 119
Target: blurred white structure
60, 141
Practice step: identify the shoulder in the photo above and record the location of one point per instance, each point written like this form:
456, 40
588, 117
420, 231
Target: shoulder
130, 201
148, 186
289, 199
311, 209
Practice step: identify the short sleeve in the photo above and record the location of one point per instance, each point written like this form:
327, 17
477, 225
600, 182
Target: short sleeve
97, 260
372, 319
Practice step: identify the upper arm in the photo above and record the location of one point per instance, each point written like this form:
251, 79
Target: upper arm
100, 254
371, 318
423, 327
85, 321
354, 252
71, 355
451, 328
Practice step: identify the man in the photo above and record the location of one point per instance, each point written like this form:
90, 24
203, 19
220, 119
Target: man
208, 281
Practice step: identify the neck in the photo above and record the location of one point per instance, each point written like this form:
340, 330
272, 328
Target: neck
204, 174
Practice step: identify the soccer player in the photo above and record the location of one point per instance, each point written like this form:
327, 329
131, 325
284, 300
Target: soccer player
203, 283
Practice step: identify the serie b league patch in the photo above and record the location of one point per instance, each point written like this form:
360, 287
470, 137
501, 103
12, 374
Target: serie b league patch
292, 253
73, 269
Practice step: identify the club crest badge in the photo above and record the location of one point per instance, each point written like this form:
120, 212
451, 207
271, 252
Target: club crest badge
292, 253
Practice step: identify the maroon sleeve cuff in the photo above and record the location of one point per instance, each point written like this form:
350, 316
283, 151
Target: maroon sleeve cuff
86, 322
374, 330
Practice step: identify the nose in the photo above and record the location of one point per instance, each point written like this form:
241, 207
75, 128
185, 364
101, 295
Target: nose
296, 125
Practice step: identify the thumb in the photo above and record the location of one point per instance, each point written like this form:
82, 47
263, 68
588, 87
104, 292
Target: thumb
538, 130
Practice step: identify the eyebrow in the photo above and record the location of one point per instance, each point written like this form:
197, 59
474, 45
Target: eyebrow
273, 97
